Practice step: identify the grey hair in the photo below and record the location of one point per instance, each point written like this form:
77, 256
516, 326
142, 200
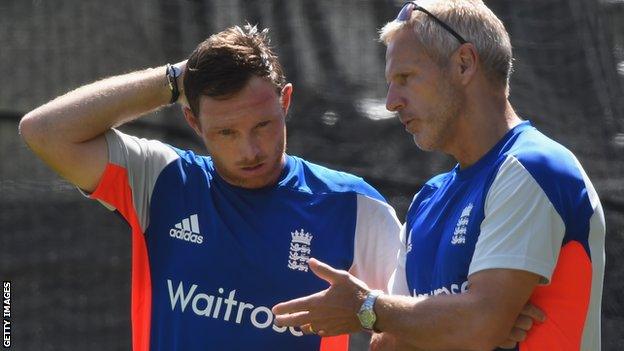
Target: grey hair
474, 21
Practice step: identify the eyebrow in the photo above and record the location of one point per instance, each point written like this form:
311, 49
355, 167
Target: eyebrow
218, 130
399, 72
229, 126
220, 127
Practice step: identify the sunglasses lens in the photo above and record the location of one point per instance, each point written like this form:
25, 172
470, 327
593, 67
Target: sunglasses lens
406, 12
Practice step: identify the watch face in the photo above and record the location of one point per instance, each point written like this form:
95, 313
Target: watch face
367, 318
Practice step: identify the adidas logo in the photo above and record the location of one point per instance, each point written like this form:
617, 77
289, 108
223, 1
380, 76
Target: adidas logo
187, 230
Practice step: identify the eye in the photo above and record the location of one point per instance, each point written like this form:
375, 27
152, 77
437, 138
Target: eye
225, 132
263, 124
402, 78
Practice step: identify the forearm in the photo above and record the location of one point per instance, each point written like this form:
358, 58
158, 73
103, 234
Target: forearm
67, 132
443, 322
91, 110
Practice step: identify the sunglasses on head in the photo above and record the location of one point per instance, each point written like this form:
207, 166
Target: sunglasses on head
406, 13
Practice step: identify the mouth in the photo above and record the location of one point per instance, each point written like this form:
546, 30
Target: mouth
252, 168
406, 120
406, 123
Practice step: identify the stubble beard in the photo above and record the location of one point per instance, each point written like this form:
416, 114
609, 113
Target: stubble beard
270, 177
443, 118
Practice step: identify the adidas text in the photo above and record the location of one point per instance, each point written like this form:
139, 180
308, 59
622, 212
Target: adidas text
187, 230
186, 235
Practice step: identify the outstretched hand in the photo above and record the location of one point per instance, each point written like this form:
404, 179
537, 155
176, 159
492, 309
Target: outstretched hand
328, 312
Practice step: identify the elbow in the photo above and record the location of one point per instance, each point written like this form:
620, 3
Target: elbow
30, 129
26, 126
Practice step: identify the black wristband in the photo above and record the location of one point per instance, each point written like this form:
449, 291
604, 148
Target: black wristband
172, 78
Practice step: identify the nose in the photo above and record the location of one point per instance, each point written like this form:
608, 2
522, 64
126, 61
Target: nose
249, 148
394, 100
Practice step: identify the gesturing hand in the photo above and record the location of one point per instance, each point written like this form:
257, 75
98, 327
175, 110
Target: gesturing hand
328, 312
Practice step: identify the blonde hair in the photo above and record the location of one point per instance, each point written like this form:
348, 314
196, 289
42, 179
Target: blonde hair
474, 21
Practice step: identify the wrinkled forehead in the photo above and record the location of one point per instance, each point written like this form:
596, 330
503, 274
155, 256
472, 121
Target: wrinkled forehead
258, 96
403, 50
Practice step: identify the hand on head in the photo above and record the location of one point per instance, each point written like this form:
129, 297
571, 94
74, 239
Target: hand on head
182, 98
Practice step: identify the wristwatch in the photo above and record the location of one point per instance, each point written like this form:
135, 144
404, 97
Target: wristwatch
366, 314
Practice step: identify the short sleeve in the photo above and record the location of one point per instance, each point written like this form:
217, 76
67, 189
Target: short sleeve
376, 242
398, 280
134, 165
521, 228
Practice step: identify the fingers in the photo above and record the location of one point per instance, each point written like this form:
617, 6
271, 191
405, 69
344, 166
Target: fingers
509, 344
331, 327
182, 98
533, 312
324, 271
517, 335
307, 329
295, 305
293, 319
524, 322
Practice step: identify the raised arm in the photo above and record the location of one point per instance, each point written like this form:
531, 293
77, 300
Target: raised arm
67, 133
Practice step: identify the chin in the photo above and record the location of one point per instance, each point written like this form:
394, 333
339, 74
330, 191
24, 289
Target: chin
421, 143
247, 183
258, 181
427, 146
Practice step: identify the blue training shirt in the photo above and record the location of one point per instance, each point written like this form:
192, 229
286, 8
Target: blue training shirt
527, 205
211, 259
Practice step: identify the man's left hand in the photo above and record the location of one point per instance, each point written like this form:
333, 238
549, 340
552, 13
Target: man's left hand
328, 312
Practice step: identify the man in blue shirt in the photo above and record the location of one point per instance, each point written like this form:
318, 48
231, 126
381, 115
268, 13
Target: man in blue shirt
516, 220
216, 240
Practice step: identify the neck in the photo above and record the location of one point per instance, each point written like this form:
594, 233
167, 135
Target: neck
480, 127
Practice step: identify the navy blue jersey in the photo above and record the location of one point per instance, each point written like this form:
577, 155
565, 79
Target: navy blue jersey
211, 259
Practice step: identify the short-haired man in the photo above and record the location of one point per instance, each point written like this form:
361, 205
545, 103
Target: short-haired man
516, 220
216, 240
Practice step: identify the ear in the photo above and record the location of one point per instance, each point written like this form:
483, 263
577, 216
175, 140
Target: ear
466, 60
192, 120
285, 97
